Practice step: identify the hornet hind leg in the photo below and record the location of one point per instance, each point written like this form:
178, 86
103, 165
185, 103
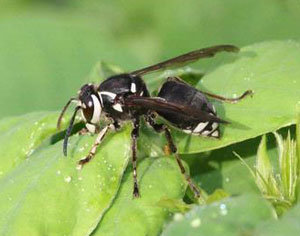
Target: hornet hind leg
160, 128
134, 136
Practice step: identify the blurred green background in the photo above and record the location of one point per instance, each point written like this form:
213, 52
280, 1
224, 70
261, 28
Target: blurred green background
48, 47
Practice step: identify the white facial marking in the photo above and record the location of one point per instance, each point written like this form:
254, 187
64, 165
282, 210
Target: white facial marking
90, 127
110, 94
215, 134
82, 115
200, 127
133, 88
118, 107
141, 94
97, 110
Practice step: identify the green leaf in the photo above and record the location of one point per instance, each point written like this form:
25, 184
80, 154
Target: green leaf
221, 169
287, 225
272, 71
174, 205
264, 174
298, 134
232, 216
159, 179
289, 163
263, 164
20, 136
47, 195
282, 186
216, 196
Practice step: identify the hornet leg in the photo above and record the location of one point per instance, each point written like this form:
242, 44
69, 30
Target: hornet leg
217, 97
229, 100
160, 128
134, 136
97, 142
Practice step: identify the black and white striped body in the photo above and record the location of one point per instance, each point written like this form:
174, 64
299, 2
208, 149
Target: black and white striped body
108, 98
116, 88
110, 93
176, 91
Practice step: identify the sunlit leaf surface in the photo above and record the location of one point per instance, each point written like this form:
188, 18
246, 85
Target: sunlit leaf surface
232, 216
159, 179
20, 136
48, 195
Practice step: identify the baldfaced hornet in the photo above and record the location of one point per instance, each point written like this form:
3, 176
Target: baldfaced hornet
125, 97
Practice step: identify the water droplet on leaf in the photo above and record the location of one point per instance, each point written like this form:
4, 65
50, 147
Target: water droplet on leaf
223, 209
196, 222
68, 179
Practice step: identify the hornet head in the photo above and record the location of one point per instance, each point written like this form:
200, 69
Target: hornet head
90, 104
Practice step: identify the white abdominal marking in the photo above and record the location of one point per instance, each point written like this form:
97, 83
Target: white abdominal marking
205, 133
201, 126
187, 131
214, 126
215, 134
